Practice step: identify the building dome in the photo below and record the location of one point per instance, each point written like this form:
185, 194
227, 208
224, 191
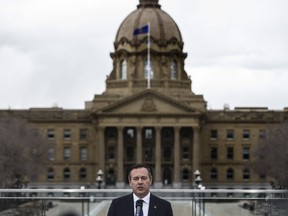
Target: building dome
137, 64
163, 27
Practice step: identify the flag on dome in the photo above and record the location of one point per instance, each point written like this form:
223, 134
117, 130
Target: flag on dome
142, 30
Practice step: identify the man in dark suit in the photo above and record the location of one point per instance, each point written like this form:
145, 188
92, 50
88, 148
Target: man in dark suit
140, 180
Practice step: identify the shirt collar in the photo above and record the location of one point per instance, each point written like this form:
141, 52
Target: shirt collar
146, 199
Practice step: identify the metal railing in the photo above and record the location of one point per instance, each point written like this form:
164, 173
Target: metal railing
194, 202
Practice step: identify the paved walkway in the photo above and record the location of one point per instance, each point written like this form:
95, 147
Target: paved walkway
180, 208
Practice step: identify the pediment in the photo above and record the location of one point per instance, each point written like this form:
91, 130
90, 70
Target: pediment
147, 102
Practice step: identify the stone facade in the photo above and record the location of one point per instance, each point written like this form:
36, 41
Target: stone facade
164, 124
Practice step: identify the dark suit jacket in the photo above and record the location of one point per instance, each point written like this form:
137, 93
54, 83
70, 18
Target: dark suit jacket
124, 206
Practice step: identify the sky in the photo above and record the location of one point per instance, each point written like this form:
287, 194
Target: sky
57, 52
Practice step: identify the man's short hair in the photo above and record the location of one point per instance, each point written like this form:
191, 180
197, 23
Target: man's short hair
138, 166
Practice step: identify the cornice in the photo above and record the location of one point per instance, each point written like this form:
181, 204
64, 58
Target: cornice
236, 116
49, 115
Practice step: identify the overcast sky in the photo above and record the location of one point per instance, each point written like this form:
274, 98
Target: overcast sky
56, 52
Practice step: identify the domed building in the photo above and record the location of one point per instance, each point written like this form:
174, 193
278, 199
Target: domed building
149, 114
148, 104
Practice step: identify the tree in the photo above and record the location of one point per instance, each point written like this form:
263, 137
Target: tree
23, 151
272, 154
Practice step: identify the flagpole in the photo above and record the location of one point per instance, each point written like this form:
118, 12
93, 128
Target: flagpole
148, 58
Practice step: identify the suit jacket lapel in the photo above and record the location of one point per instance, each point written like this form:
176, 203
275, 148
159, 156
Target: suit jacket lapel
153, 206
130, 205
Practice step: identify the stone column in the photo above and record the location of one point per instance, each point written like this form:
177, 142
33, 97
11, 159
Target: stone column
157, 181
196, 149
120, 159
177, 182
139, 148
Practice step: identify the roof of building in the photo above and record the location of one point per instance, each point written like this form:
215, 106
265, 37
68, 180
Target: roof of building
162, 26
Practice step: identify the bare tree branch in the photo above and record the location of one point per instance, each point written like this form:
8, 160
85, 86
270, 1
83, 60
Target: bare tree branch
23, 151
272, 154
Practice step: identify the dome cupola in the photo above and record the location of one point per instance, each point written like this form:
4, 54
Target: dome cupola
148, 3
135, 60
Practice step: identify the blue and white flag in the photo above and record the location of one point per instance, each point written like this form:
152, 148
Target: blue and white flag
141, 30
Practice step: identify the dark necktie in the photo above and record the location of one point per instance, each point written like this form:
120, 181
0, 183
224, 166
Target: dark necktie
140, 203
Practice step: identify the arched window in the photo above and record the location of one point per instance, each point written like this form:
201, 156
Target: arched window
230, 174
147, 68
167, 176
173, 70
66, 174
50, 173
111, 177
82, 173
123, 70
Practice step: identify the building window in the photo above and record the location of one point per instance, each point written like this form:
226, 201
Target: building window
67, 134
83, 134
148, 133
230, 174
50, 174
111, 133
167, 176
82, 173
246, 153
230, 134
262, 134
123, 71
185, 153
246, 134
185, 174
230, 153
66, 174
173, 68
130, 133
51, 134
67, 153
186, 132
51, 154
213, 153
167, 133
246, 174
167, 153
148, 154
111, 177
83, 154
111, 153
130, 153
213, 134
214, 174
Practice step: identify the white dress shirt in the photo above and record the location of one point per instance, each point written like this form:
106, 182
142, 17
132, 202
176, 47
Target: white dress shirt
146, 201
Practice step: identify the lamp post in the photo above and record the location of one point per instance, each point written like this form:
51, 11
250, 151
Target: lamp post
198, 185
99, 178
82, 200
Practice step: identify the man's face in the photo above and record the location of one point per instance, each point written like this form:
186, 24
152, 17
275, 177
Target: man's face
140, 182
